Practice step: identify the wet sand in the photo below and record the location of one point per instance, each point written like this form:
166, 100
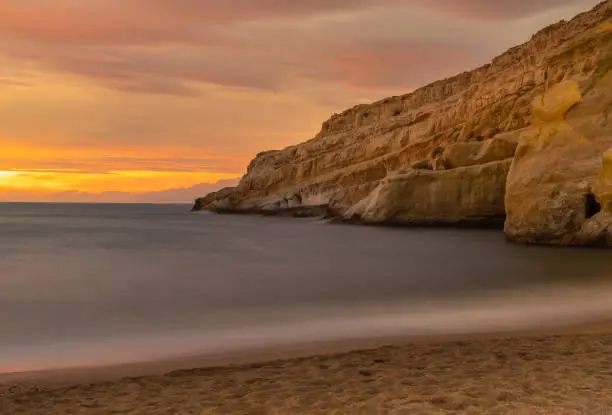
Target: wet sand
547, 372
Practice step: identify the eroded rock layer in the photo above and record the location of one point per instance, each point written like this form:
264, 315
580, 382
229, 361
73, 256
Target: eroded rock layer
442, 153
465, 195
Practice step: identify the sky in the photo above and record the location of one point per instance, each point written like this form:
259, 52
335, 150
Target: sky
161, 100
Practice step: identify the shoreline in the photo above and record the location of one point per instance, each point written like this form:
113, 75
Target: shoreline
544, 370
333, 217
65, 376
322, 213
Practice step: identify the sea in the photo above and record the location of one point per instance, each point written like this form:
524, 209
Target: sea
103, 284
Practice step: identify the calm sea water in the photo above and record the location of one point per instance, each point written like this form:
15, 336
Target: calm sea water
98, 284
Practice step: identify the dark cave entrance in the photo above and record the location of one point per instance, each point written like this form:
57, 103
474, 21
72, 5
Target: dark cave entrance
591, 206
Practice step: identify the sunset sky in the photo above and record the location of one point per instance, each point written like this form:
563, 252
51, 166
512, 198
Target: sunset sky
110, 100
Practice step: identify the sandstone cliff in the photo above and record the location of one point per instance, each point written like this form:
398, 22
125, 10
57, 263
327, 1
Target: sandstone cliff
447, 153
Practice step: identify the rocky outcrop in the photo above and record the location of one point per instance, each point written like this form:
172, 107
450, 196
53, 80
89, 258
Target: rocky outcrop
597, 229
552, 195
203, 202
461, 196
442, 153
472, 153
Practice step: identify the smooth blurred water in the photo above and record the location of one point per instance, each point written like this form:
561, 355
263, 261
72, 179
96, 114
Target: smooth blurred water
98, 284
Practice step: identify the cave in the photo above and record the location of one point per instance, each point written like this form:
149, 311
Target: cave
591, 206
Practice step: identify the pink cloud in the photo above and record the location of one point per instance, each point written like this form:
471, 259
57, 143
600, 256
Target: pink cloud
407, 64
104, 22
492, 9
92, 22
168, 46
153, 21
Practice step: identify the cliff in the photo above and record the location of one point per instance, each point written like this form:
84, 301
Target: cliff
523, 137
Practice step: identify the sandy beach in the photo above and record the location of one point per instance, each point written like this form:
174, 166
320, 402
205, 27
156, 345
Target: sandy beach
562, 372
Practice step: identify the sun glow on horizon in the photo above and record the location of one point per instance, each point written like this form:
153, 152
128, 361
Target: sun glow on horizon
36, 172
119, 181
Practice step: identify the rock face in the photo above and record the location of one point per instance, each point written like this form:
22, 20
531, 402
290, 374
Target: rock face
552, 195
203, 202
465, 195
541, 111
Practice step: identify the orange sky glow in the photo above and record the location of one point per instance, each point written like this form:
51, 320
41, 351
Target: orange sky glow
109, 100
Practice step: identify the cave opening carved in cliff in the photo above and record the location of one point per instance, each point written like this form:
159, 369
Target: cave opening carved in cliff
591, 206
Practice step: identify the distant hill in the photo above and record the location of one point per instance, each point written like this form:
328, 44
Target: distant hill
179, 195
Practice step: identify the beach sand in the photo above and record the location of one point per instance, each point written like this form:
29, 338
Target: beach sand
567, 372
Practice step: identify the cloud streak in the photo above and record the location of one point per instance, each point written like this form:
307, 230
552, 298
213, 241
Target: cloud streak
171, 46
134, 22
490, 9
109, 164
